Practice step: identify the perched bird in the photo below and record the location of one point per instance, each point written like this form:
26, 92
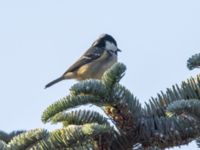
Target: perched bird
94, 62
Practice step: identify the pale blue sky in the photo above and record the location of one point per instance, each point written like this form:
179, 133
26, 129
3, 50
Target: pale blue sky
39, 39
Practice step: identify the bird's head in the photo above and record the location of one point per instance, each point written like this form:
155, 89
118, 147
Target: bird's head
107, 42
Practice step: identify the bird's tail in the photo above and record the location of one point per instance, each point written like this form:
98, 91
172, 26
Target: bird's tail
54, 82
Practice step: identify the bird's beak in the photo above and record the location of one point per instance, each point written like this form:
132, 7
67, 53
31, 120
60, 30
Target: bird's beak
119, 50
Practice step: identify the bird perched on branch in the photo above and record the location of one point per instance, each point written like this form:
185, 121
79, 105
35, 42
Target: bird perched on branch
94, 62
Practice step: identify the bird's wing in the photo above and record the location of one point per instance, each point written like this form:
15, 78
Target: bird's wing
90, 55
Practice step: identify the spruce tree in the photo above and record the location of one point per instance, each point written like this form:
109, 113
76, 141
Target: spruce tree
170, 119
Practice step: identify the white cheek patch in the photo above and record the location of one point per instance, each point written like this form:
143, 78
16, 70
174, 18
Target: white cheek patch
111, 46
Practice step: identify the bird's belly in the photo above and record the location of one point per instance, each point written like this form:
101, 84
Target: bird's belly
95, 69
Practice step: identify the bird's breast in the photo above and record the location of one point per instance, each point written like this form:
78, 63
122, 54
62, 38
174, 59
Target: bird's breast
96, 68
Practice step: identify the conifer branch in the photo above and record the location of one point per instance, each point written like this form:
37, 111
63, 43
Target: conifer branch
123, 97
170, 119
6, 137
189, 89
79, 117
67, 103
73, 136
89, 87
193, 62
164, 132
3, 145
114, 75
27, 139
186, 108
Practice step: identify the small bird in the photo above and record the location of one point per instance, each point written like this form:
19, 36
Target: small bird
94, 62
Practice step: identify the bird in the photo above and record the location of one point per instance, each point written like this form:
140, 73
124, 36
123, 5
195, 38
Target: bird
100, 56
